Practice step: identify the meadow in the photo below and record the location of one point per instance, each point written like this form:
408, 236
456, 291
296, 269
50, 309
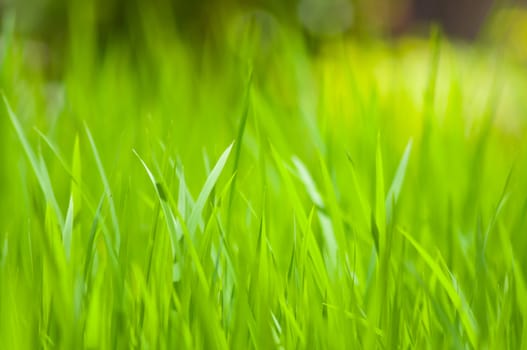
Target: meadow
255, 192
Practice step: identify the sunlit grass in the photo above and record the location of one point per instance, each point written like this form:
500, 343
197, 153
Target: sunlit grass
263, 196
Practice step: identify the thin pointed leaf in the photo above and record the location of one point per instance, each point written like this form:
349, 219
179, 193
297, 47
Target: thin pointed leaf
195, 215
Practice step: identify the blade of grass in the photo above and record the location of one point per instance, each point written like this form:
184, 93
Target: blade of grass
68, 229
197, 210
117, 232
378, 221
38, 166
175, 234
238, 142
397, 183
461, 305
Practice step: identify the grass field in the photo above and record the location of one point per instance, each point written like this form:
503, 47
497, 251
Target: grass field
254, 194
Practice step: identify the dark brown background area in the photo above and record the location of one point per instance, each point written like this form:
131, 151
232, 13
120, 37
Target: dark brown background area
459, 18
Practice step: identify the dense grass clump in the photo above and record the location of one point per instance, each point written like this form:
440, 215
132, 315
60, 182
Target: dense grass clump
251, 193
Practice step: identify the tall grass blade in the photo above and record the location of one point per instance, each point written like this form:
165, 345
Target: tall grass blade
195, 215
459, 302
113, 213
397, 183
37, 164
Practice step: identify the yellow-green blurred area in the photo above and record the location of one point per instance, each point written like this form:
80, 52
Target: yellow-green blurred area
336, 56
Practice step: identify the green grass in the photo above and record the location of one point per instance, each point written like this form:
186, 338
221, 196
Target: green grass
253, 194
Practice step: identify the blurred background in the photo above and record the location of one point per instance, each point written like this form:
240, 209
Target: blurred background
52, 25
460, 18
50, 20
53, 29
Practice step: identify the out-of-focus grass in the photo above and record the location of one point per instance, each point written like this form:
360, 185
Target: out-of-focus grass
250, 194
